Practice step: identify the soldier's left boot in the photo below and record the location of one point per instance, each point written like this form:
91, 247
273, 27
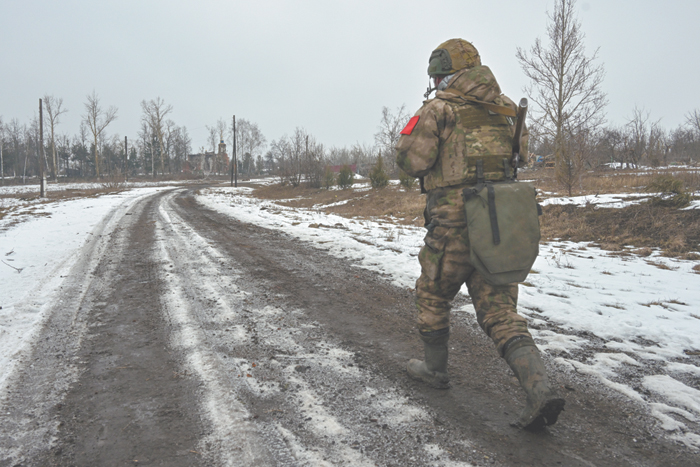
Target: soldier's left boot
432, 370
543, 405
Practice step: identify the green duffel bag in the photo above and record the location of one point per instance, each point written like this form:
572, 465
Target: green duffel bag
504, 229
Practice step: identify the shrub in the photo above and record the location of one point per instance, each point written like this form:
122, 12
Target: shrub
673, 194
328, 179
406, 180
346, 177
378, 177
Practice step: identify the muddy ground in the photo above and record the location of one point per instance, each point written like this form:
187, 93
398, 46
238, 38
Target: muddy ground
184, 338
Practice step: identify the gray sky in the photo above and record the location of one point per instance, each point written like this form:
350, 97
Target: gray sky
326, 66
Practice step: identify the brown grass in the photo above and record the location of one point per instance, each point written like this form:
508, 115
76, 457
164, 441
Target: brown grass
643, 226
405, 207
603, 181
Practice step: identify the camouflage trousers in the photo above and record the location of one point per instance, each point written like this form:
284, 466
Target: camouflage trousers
445, 266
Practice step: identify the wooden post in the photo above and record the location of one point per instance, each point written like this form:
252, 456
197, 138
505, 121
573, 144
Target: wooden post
235, 159
232, 144
42, 176
126, 160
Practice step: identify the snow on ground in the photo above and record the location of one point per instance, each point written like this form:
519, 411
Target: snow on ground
611, 201
36, 254
646, 310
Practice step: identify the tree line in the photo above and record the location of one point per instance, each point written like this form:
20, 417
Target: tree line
162, 148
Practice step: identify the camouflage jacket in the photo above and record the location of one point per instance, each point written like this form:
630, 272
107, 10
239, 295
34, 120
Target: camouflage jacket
452, 133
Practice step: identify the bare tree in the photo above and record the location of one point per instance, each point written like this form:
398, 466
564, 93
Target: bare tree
313, 161
692, 120
250, 141
182, 146
296, 148
97, 120
279, 155
642, 135
212, 137
565, 86
390, 128
54, 109
684, 144
154, 113
80, 150
611, 144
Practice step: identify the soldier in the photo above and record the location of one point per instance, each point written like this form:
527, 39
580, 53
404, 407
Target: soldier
454, 141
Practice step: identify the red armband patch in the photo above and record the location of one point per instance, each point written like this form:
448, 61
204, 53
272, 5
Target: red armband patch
411, 125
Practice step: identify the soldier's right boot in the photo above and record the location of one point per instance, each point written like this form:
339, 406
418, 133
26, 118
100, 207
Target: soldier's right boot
543, 405
432, 370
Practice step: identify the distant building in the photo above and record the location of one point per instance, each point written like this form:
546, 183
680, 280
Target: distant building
209, 162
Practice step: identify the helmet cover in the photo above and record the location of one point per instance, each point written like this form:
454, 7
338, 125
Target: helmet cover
452, 56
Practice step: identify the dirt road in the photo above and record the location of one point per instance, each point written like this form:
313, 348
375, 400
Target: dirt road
184, 338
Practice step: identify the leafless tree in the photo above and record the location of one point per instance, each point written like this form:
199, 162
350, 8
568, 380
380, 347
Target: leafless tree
295, 156
313, 161
692, 120
642, 135
54, 110
217, 134
565, 85
279, 155
97, 120
250, 142
154, 113
611, 144
388, 134
80, 149
684, 144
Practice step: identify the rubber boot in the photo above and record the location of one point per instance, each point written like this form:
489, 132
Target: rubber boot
434, 369
543, 405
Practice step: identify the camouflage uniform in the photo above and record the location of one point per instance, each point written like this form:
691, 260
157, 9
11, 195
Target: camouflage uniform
452, 133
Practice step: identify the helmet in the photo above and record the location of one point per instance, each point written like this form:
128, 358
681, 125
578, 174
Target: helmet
452, 56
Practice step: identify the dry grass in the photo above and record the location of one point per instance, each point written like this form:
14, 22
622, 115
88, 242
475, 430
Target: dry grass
645, 226
404, 207
612, 181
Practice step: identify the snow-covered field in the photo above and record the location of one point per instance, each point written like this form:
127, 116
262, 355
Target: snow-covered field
598, 314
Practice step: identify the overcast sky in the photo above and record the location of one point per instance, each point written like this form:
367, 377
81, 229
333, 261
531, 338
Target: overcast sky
327, 66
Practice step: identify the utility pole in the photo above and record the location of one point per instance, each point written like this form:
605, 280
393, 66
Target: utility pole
234, 162
126, 160
42, 176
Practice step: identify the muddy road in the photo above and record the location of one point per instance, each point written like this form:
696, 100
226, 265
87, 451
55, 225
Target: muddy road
185, 338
